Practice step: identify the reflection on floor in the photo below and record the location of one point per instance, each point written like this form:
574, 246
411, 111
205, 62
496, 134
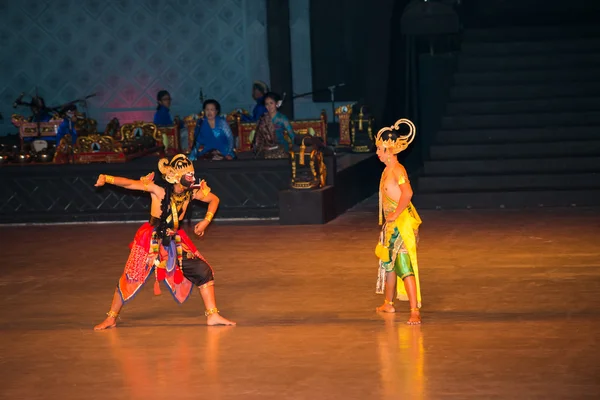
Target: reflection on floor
510, 311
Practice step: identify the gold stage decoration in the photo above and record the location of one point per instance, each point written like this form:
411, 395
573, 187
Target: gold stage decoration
313, 175
190, 122
361, 131
169, 137
113, 128
137, 130
30, 129
97, 148
344, 113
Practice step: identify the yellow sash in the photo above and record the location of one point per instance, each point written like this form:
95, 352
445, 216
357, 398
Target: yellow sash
407, 223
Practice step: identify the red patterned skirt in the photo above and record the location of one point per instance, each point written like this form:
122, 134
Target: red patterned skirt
180, 265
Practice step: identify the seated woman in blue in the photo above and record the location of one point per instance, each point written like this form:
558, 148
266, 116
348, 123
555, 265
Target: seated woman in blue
213, 134
274, 133
162, 116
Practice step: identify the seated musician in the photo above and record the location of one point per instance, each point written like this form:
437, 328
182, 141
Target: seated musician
162, 116
39, 111
213, 134
259, 90
274, 133
67, 127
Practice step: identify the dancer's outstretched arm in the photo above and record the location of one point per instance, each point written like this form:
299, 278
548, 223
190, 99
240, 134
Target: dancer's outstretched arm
145, 183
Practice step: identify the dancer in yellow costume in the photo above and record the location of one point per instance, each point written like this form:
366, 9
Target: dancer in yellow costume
397, 247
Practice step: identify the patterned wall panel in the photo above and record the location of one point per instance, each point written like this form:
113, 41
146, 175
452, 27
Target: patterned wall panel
127, 50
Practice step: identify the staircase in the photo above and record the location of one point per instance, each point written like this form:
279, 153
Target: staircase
522, 127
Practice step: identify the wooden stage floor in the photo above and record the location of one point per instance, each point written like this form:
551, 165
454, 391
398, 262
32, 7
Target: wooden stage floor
510, 309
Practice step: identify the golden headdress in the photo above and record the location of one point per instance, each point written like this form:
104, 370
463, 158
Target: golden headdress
385, 136
173, 170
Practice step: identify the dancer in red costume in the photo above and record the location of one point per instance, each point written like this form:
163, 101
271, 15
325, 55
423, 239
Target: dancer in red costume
161, 244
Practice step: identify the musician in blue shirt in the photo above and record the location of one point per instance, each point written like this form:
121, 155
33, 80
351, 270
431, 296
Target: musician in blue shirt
259, 90
39, 111
162, 116
67, 127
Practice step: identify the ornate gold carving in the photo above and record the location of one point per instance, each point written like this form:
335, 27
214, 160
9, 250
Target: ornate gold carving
169, 137
113, 128
130, 132
318, 170
86, 126
18, 119
344, 113
190, 122
97, 144
63, 150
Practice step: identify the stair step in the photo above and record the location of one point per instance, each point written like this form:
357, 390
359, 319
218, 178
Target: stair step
543, 34
524, 120
515, 150
581, 45
556, 76
522, 92
560, 104
547, 134
512, 166
436, 184
468, 63
520, 199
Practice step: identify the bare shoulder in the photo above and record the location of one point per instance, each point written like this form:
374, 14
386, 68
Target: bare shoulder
400, 172
202, 191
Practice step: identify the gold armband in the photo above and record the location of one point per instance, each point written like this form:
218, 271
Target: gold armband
145, 181
209, 216
109, 179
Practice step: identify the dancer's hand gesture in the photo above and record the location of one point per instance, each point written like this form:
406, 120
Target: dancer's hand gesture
200, 227
101, 180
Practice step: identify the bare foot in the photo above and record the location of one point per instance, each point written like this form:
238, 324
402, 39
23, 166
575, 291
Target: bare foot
108, 323
216, 319
386, 307
415, 318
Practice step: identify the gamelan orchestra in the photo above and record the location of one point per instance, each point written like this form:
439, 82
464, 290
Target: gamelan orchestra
66, 134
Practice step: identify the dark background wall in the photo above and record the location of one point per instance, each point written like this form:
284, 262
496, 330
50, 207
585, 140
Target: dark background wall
350, 43
360, 43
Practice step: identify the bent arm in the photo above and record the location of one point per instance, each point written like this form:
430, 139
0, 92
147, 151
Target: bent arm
229, 134
211, 199
406, 193
405, 198
288, 127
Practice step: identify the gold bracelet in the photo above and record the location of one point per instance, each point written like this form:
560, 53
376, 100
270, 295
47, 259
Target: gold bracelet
109, 179
112, 314
209, 216
211, 311
415, 310
391, 303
